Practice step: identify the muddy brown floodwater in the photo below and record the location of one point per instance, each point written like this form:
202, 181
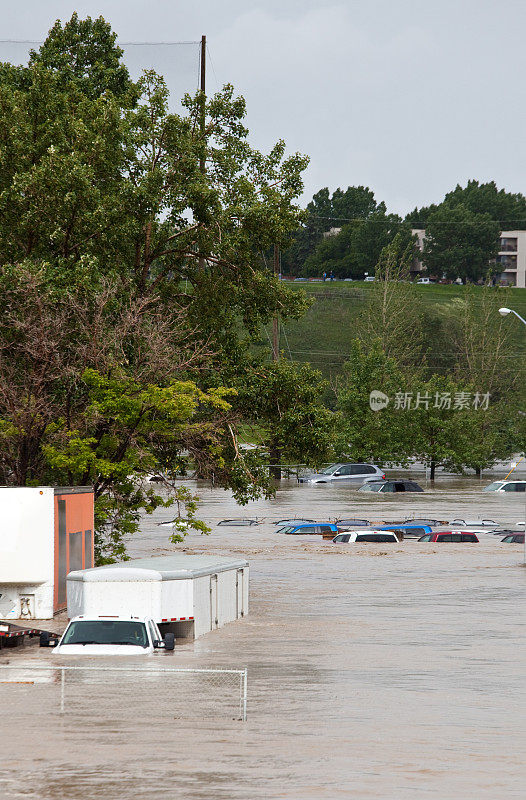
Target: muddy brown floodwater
374, 671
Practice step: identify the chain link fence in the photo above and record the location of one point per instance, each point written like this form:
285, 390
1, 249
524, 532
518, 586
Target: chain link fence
122, 692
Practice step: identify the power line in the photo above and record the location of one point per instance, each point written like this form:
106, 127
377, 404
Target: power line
418, 225
429, 355
157, 44
287, 341
127, 44
212, 65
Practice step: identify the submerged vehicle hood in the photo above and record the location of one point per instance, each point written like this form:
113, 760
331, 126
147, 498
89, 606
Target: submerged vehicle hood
317, 476
100, 650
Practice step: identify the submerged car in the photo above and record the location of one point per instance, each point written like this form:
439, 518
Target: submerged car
318, 528
514, 538
449, 536
366, 536
344, 472
506, 486
390, 486
410, 531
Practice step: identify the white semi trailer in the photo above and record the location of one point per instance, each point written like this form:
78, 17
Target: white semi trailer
187, 594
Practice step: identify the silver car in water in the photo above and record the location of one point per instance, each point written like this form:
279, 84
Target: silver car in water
336, 473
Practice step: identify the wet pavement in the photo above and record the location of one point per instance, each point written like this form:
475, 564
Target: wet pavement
375, 671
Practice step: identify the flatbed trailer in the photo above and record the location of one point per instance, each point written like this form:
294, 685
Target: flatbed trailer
12, 635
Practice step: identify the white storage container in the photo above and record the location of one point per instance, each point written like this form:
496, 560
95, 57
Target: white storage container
191, 594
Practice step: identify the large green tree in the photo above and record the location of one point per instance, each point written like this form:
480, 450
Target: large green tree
134, 237
486, 356
283, 401
460, 243
368, 432
326, 211
84, 52
506, 208
356, 249
437, 413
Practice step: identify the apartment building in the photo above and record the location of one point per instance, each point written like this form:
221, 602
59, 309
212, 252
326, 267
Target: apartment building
511, 258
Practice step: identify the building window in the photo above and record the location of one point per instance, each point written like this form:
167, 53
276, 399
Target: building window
507, 262
507, 279
88, 551
508, 245
62, 552
75, 550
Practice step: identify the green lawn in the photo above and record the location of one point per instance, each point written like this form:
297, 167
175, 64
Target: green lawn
323, 335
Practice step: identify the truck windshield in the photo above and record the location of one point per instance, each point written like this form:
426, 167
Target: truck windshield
106, 632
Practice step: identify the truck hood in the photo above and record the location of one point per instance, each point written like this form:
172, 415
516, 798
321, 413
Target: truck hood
100, 650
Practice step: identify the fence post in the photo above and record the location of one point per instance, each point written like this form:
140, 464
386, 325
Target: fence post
62, 687
245, 692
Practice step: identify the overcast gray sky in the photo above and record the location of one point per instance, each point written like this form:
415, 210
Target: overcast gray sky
408, 97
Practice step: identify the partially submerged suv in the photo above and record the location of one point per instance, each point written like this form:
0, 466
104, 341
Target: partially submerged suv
338, 473
366, 536
506, 486
390, 486
449, 536
110, 636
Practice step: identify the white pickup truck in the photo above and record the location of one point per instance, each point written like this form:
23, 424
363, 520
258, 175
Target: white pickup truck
109, 636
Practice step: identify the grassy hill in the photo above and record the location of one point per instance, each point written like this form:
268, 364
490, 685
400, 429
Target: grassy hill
323, 335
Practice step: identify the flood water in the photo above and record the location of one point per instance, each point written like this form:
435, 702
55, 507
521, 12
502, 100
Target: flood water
375, 671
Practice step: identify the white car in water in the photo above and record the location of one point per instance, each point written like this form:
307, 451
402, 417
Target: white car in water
506, 486
109, 636
366, 536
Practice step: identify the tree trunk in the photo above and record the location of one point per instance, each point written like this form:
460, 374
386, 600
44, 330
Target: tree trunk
275, 459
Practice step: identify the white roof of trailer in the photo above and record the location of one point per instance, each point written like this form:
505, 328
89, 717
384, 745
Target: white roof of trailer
159, 568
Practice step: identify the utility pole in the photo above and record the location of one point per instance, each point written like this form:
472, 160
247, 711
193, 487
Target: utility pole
275, 325
203, 64
202, 121
202, 88
274, 450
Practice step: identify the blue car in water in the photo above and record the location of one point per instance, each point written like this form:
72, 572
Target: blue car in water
319, 528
